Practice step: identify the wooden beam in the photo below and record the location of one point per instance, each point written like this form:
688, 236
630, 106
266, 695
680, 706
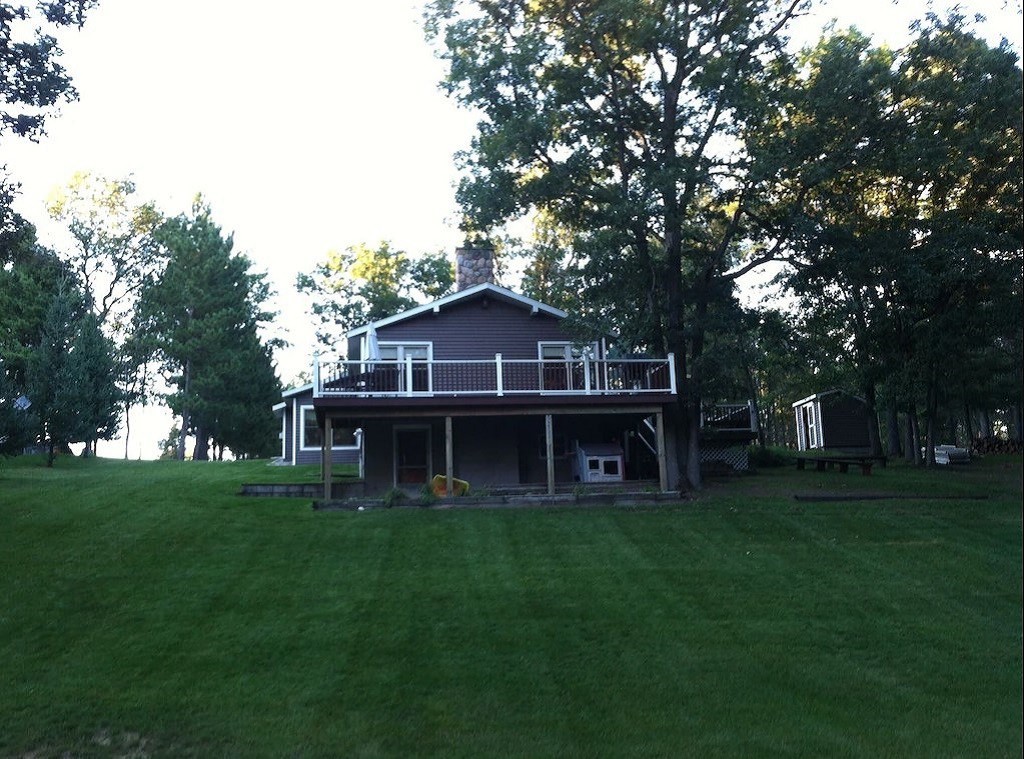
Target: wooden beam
449, 462
325, 449
383, 412
659, 425
549, 447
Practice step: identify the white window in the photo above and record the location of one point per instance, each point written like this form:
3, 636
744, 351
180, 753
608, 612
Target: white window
566, 351
312, 436
562, 366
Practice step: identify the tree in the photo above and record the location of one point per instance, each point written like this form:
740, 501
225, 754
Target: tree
363, 284
202, 314
29, 277
116, 252
619, 119
32, 82
70, 375
17, 420
117, 249
93, 369
904, 186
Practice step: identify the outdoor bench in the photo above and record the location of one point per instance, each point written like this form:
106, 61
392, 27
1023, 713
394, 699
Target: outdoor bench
821, 463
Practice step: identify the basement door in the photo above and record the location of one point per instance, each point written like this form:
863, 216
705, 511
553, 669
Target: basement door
412, 455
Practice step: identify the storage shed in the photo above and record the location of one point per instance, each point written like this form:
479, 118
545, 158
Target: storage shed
832, 420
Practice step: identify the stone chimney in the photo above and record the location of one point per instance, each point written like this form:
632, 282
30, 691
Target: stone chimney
473, 266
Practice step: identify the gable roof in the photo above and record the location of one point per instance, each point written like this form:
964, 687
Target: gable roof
293, 391
501, 293
825, 394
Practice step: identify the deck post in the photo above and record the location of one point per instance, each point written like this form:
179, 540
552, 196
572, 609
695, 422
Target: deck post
449, 464
325, 448
549, 449
408, 375
499, 374
672, 372
662, 463
316, 374
586, 374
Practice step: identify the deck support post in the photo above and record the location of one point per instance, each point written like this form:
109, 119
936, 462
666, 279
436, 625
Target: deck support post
549, 450
449, 463
662, 463
325, 449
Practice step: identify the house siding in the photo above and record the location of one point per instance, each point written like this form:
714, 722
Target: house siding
477, 329
292, 453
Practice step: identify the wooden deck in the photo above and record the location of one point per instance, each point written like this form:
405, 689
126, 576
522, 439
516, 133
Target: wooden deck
497, 378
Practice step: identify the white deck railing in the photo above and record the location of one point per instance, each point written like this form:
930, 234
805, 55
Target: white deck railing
730, 417
498, 377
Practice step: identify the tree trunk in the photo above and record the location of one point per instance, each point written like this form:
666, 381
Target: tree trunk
874, 434
893, 430
931, 424
127, 428
986, 424
50, 454
202, 450
913, 438
186, 413
752, 389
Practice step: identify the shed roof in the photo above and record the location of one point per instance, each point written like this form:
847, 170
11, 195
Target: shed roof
823, 394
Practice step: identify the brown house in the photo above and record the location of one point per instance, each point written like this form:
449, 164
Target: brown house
486, 385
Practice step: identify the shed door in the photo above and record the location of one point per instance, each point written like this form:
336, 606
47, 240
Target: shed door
810, 426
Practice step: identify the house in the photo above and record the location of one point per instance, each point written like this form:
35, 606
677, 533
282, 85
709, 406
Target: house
832, 421
487, 386
302, 438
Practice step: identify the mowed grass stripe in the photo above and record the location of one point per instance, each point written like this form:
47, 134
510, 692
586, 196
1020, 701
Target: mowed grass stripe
146, 599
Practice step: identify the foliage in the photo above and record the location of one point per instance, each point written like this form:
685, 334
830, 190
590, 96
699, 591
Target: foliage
70, 377
739, 623
202, 315
117, 246
908, 242
769, 456
29, 277
363, 284
33, 82
18, 423
617, 120
394, 497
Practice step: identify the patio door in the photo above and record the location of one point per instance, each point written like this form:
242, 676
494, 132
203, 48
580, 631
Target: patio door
419, 354
412, 455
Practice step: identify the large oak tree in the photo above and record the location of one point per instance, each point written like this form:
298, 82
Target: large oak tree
619, 120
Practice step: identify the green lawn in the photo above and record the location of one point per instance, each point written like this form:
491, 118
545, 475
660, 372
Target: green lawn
147, 610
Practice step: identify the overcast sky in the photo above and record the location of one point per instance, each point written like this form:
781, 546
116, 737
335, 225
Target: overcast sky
307, 126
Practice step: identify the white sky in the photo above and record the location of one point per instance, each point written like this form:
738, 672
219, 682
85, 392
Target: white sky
307, 126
